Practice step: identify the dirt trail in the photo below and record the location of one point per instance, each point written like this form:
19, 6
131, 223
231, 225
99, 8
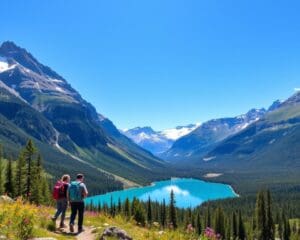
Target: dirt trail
87, 234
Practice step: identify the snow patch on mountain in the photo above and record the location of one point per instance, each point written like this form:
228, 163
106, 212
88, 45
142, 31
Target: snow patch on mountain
206, 159
178, 132
5, 65
59, 89
55, 80
36, 81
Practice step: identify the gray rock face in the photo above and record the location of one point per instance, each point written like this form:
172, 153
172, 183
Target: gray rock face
115, 232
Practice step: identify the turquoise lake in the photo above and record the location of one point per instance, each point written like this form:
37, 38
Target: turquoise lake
188, 193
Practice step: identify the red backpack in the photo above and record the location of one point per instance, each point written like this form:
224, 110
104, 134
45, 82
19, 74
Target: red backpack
58, 190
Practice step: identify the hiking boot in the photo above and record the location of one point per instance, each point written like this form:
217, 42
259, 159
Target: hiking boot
62, 225
80, 230
71, 228
53, 219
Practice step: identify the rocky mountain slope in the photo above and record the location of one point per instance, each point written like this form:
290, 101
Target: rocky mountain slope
269, 144
204, 138
36, 102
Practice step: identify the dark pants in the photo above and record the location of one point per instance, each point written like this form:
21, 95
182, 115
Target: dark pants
77, 207
61, 206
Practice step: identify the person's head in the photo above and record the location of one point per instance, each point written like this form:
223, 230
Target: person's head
65, 178
79, 177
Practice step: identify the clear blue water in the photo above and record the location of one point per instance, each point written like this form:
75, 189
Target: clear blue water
188, 192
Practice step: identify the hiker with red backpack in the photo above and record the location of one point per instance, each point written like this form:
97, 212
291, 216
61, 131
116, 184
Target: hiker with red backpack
77, 191
60, 195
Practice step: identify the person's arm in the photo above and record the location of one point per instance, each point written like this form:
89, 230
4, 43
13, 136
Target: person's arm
84, 190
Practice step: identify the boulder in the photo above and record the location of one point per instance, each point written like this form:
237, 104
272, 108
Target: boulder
5, 199
115, 232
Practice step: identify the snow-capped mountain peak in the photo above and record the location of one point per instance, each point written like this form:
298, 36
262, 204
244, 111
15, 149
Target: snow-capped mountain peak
158, 141
20, 71
180, 131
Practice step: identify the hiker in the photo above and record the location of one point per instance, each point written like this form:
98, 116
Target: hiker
60, 195
76, 193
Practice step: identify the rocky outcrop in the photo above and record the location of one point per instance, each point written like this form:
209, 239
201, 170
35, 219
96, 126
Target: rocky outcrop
115, 232
5, 199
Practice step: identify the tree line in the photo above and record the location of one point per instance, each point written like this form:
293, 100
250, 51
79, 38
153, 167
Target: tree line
25, 177
262, 226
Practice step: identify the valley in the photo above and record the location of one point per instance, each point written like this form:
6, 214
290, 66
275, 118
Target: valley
38, 103
149, 120
253, 151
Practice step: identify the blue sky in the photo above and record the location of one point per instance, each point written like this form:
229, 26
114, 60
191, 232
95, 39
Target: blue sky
164, 62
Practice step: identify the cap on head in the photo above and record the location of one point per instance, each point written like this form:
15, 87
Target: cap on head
79, 176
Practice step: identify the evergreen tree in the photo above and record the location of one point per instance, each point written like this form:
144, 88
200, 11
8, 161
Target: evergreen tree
260, 217
90, 206
46, 193
9, 183
156, 215
28, 153
193, 220
99, 207
139, 215
180, 216
105, 208
163, 214
270, 226
20, 178
228, 228
241, 227
253, 223
111, 208
233, 229
188, 217
149, 211
119, 206
114, 210
219, 222
207, 218
134, 206
198, 225
127, 208
286, 228
172, 210
37, 175
1, 171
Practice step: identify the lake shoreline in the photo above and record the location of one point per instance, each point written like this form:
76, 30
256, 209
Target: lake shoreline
188, 192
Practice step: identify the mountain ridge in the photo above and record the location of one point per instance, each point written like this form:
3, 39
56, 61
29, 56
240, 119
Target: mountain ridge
270, 143
208, 134
74, 127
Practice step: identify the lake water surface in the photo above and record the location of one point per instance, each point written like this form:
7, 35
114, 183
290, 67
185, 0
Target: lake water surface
188, 192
